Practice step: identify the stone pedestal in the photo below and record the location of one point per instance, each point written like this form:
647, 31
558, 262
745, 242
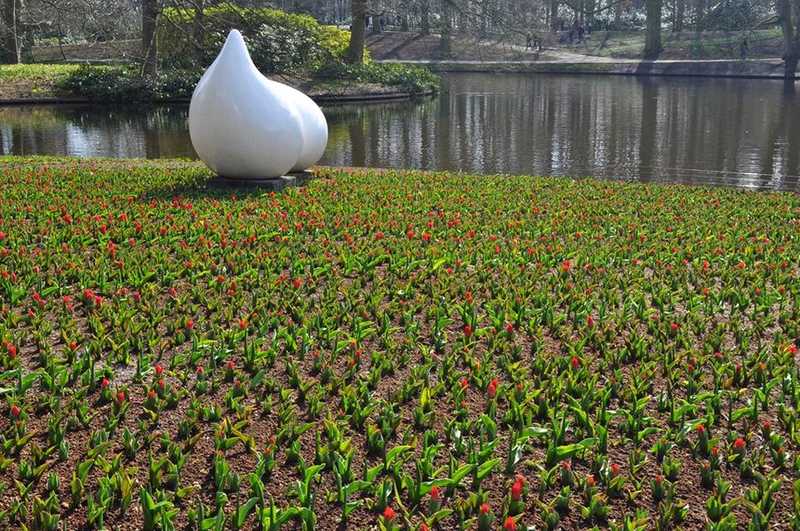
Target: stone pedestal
303, 177
269, 185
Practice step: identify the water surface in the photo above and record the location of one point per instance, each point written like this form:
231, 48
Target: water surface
716, 131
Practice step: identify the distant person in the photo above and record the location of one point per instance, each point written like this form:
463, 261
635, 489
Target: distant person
743, 49
528, 42
382, 22
581, 32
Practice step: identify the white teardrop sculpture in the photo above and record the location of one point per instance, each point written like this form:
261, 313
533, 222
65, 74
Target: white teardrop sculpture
314, 127
241, 125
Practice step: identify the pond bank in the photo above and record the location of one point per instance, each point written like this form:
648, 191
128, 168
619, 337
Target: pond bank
41, 84
755, 68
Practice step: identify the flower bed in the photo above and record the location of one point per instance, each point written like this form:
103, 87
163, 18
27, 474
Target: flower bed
394, 350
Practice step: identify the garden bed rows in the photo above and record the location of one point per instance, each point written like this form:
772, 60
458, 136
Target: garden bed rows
393, 350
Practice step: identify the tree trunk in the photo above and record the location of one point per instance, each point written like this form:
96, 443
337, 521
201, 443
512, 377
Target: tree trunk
425, 22
680, 14
444, 43
355, 52
791, 36
652, 48
699, 15
150, 11
198, 31
554, 15
617, 14
10, 52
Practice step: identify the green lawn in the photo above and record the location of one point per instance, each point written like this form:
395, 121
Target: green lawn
393, 350
36, 72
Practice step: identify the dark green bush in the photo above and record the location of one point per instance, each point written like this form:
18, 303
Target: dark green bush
279, 42
121, 84
114, 84
413, 79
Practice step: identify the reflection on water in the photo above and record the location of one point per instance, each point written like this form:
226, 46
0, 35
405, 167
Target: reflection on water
721, 131
95, 131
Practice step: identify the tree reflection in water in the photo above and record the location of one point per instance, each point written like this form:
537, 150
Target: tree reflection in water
717, 131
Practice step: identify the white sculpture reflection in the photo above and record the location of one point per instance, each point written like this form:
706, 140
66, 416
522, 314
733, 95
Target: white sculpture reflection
245, 126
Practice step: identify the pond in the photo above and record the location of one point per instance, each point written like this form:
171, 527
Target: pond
735, 132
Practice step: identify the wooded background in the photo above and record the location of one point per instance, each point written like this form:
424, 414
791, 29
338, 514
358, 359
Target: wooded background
26, 23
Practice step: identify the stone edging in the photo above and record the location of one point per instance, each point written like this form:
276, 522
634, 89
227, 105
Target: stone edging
322, 99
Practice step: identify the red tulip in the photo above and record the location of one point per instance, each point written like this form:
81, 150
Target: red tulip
509, 524
491, 390
516, 488
15, 411
389, 514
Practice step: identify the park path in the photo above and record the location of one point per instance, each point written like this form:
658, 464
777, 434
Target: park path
555, 56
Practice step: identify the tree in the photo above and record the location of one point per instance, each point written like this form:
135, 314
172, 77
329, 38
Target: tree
652, 47
679, 16
9, 24
197, 26
425, 21
355, 52
444, 47
789, 12
150, 12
